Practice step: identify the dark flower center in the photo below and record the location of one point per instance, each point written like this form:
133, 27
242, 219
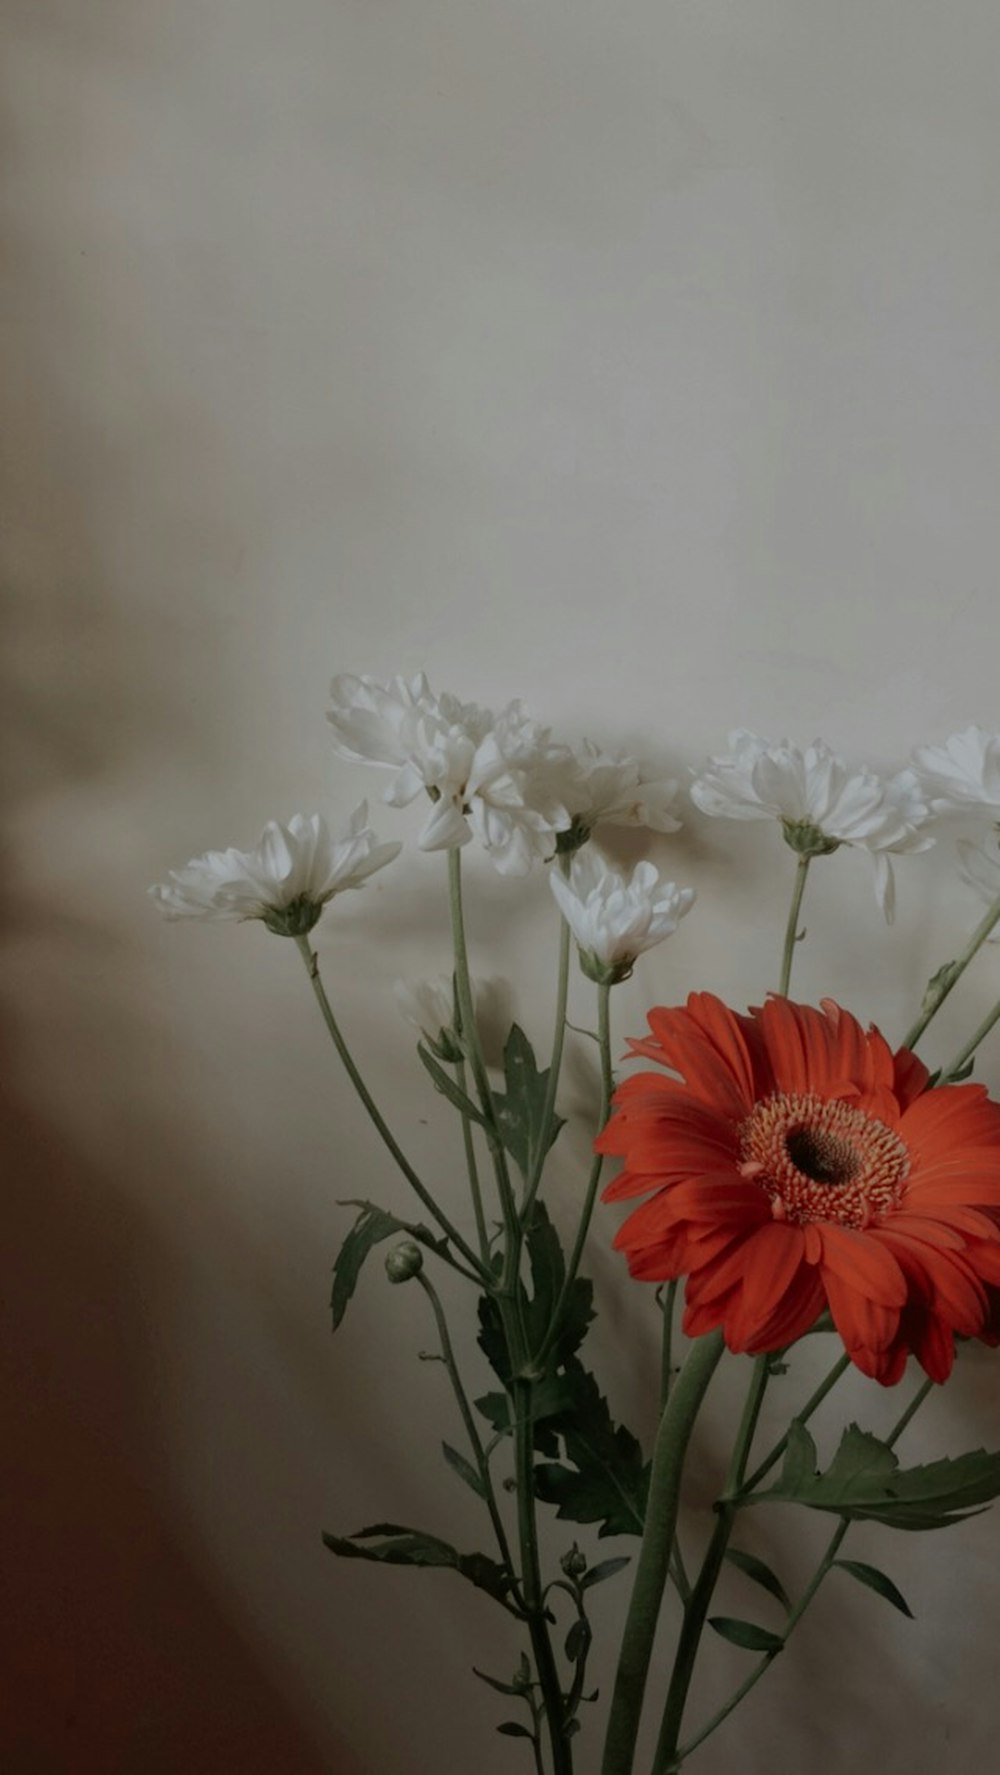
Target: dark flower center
825, 1157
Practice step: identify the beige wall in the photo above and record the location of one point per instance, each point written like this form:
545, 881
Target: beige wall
640, 359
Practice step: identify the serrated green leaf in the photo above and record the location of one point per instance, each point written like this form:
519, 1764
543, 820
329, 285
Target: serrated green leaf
608, 1480
392, 1544
746, 1634
463, 1468
371, 1227
520, 1110
865, 1481
512, 1729
606, 1569
447, 1086
755, 1568
877, 1581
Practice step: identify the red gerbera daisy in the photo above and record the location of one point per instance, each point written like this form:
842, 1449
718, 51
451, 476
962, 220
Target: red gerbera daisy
797, 1164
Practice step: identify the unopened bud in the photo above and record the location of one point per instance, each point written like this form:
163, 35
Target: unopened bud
404, 1261
574, 1563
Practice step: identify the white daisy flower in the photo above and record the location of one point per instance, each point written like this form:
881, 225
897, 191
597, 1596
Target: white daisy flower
963, 773
489, 777
614, 918
286, 880
605, 789
820, 800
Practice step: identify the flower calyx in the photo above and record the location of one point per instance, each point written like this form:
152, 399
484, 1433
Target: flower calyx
806, 840
294, 920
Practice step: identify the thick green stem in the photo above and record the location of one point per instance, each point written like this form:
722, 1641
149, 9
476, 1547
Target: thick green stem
472, 1168
475, 1441
792, 928
667, 1308
676, 1426
832, 1549
531, 1581
949, 975
555, 1067
965, 1054
311, 960
696, 1612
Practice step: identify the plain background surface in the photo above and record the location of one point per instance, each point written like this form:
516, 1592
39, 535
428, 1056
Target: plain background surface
640, 360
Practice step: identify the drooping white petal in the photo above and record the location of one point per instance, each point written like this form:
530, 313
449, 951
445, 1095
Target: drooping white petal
962, 773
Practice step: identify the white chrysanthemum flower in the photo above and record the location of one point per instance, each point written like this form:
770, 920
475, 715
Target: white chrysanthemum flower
603, 789
963, 773
615, 918
820, 800
979, 868
286, 880
490, 777
428, 1005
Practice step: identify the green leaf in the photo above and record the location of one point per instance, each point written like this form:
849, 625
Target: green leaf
865, 1481
495, 1683
876, 1580
396, 1545
606, 1569
520, 1110
746, 1634
371, 1227
463, 1468
444, 1083
608, 1481
512, 1729
578, 1640
760, 1573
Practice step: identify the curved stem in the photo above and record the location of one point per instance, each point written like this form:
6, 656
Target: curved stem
676, 1426
792, 928
948, 976
555, 1067
966, 1053
812, 1404
311, 960
475, 1441
832, 1549
696, 1612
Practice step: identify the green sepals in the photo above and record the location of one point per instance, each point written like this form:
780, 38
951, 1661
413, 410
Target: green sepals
573, 838
406, 1546
605, 973
806, 840
513, 1729
294, 920
608, 1481
520, 1683
444, 1083
371, 1227
445, 1046
864, 1481
939, 985
747, 1634
463, 1468
877, 1581
755, 1568
520, 1110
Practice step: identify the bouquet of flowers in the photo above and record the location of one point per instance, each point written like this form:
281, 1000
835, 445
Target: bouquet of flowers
799, 1174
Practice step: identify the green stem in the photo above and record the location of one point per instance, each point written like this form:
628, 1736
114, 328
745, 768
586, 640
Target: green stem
971, 1045
949, 975
833, 1548
590, 1194
470, 1036
792, 928
676, 1426
667, 1342
472, 1168
555, 1067
311, 960
696, 1612
531, 1581
475, 1441
802, 1417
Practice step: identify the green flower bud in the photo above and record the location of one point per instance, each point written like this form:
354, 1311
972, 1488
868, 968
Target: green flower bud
574, 1563
404, 1261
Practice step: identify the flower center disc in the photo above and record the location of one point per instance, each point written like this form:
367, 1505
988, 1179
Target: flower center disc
819, 1158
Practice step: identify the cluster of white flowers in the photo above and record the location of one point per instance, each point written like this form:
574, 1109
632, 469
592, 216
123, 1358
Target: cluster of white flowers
820, 800
287, 878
